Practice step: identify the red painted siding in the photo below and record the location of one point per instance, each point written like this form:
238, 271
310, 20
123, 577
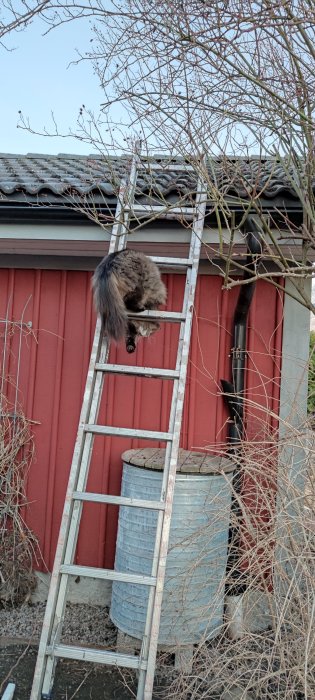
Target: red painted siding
50, 369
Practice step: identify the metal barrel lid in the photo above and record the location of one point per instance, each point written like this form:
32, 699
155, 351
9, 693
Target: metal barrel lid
189, 462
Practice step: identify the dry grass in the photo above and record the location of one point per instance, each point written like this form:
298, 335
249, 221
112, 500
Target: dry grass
17, 543
274, 656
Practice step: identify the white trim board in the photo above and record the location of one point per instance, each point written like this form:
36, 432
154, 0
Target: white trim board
294, 439
63, 232
96, 233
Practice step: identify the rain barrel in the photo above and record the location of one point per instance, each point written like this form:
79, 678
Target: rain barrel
193, 598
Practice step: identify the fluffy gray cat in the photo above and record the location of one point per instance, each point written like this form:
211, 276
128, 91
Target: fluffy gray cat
127, 281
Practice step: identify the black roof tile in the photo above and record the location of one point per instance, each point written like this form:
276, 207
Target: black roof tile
64, 173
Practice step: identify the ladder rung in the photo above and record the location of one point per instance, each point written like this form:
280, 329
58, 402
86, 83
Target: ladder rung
176, 316
107, 574
173, 262
162, 209
138, 371
117, 500
98, 656
127, 432
182, 167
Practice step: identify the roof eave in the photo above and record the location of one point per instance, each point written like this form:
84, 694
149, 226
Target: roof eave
19, 209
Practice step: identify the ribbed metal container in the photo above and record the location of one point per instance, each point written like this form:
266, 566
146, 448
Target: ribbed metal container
192, 606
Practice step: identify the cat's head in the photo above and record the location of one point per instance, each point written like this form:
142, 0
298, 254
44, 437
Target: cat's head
138, 329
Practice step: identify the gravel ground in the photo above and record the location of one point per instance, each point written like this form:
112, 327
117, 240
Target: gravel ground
85, 624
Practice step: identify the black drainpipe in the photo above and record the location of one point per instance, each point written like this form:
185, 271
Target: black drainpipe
234, 398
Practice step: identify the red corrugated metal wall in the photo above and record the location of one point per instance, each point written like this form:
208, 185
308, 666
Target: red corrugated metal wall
49, 365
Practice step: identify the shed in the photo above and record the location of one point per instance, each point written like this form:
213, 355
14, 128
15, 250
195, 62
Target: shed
50, 243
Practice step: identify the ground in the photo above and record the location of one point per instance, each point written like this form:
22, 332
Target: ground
89, 625
73, 680
259, 666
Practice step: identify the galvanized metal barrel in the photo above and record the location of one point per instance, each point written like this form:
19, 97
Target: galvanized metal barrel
193, 598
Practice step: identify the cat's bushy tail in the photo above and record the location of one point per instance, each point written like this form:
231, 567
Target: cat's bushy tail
109, 304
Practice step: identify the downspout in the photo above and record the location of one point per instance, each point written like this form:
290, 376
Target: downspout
234, 398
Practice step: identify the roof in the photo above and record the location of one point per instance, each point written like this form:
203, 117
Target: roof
60, 175
70, 190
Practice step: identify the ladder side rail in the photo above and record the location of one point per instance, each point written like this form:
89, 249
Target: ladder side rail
191, 279
159, 525
82, 468
94, 391
126, 194
118, 240
91, 414
118, 224
67, 555
44, 668
194, 256
130, 197
157, 544
176, 426
66, 516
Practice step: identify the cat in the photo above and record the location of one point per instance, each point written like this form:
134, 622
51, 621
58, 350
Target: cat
124, 281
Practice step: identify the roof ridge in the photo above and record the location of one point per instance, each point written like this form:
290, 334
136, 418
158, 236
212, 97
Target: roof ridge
154, 156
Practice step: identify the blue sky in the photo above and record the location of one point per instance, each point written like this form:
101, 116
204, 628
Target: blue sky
36, 78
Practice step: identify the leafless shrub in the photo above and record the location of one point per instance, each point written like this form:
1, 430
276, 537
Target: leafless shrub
270, 652
17, 543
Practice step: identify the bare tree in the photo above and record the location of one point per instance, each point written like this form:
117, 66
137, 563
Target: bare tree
227, 79
221, 78
231, 79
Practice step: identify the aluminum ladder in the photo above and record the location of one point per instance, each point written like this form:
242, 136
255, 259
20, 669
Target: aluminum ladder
50, 648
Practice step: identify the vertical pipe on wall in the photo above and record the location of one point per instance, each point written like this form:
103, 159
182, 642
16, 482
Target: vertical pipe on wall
234, 397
